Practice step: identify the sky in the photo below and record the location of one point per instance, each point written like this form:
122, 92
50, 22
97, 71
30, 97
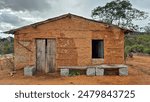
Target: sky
18, 13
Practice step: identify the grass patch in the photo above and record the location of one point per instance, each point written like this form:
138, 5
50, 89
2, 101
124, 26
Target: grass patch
75, 72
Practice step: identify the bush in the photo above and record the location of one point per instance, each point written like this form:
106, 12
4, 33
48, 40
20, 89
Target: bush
128, 49
128, 52
137, 43
147, 50
74, 72
137, 48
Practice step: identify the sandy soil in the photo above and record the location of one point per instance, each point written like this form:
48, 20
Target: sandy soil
139, 74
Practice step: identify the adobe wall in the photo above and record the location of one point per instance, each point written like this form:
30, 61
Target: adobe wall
73, 37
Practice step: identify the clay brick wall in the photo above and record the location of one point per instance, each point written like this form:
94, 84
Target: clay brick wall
74, 42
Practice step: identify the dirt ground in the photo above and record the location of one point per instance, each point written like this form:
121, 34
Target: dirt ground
139, 74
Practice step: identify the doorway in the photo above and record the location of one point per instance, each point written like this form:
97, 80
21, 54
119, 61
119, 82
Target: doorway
46, 55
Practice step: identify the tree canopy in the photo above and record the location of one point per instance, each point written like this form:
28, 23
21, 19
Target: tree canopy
119, 12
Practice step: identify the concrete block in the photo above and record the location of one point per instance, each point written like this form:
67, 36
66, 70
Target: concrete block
64, 72
99, 71
91, 71
29, 70
123, 71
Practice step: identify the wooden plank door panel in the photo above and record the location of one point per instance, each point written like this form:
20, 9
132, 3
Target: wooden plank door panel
51, 54
40, 57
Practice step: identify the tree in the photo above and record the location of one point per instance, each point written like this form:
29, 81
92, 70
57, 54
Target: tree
119, 12
147, 28
6, 45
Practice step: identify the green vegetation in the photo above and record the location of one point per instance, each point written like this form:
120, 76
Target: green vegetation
119, 12
122, 14
6, 45
147, 28
74, 72
137, 43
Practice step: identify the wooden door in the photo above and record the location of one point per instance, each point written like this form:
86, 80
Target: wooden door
51, 54
40, 55
45, 55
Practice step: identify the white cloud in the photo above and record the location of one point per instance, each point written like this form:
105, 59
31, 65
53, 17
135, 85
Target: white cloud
2, 35
16, 13
23, 5
12, 19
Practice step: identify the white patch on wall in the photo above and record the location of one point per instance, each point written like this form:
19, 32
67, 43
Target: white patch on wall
25, 43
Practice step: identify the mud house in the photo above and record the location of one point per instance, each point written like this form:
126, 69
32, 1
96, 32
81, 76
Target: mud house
68, 40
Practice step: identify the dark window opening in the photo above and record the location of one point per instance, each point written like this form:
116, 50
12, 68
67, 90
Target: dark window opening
97, 49
111, 71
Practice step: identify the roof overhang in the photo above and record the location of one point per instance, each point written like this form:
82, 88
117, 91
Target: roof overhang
63, 16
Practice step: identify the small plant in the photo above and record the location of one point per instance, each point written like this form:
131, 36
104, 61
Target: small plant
128, 52
74, 72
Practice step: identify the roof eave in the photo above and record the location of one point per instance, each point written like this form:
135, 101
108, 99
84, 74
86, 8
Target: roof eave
60, 17
10, 31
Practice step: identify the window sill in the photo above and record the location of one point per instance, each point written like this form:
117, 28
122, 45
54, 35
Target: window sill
97, 61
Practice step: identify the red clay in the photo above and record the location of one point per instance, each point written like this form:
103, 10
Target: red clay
139, 74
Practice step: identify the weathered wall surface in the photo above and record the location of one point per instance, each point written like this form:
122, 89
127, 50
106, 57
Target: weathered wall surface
74, 42
6, 62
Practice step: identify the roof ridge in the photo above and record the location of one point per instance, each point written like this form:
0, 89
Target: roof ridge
58, 18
